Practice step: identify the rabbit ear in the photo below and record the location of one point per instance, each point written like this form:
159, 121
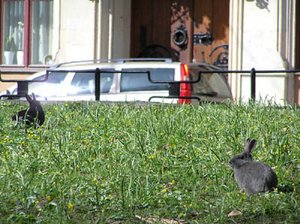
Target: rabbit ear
33, 97
29, 99
249, 145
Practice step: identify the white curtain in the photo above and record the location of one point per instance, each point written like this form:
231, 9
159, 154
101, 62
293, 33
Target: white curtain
41, 31
13, 29
42, 26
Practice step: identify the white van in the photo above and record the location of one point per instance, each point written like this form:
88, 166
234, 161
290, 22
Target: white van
154, 80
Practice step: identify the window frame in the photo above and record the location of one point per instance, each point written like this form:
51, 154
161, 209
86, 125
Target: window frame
27, 38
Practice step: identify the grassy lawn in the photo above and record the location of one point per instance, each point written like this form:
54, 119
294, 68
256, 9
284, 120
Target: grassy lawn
101, 163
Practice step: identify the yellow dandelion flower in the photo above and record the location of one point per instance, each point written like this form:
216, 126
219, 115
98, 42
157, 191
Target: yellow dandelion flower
164, 190
49, 198
95, 181
151, 156
70, 206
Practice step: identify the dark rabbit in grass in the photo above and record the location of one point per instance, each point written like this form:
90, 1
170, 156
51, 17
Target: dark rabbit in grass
34, 115
251, 176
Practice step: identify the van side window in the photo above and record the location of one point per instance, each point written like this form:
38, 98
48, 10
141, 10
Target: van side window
85, 82
137, 79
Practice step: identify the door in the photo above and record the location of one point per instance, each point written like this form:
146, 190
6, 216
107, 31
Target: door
150, 26
185, 30
211, 20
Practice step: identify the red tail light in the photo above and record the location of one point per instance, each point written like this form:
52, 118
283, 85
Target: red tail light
185, 88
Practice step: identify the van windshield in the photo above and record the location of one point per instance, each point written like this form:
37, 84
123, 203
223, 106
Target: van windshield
138, 80
53, 77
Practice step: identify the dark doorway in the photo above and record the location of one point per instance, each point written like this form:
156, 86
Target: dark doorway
149, 24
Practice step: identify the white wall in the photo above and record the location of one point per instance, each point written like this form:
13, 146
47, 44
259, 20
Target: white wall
113, 37
262, 38
122, 22
91, 30
76, 30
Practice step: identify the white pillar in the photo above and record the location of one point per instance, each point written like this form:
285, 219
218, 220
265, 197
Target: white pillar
262, 37
113, 29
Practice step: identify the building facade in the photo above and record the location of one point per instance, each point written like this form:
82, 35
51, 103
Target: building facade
260, 34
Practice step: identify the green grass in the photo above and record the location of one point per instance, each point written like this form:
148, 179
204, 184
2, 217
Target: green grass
125, 163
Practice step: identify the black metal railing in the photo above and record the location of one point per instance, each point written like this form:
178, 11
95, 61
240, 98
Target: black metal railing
253, 76
174, 92
22, 85
98, 73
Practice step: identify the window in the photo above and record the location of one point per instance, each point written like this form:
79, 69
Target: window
85, 82
26, 33
211, 85
140, 82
